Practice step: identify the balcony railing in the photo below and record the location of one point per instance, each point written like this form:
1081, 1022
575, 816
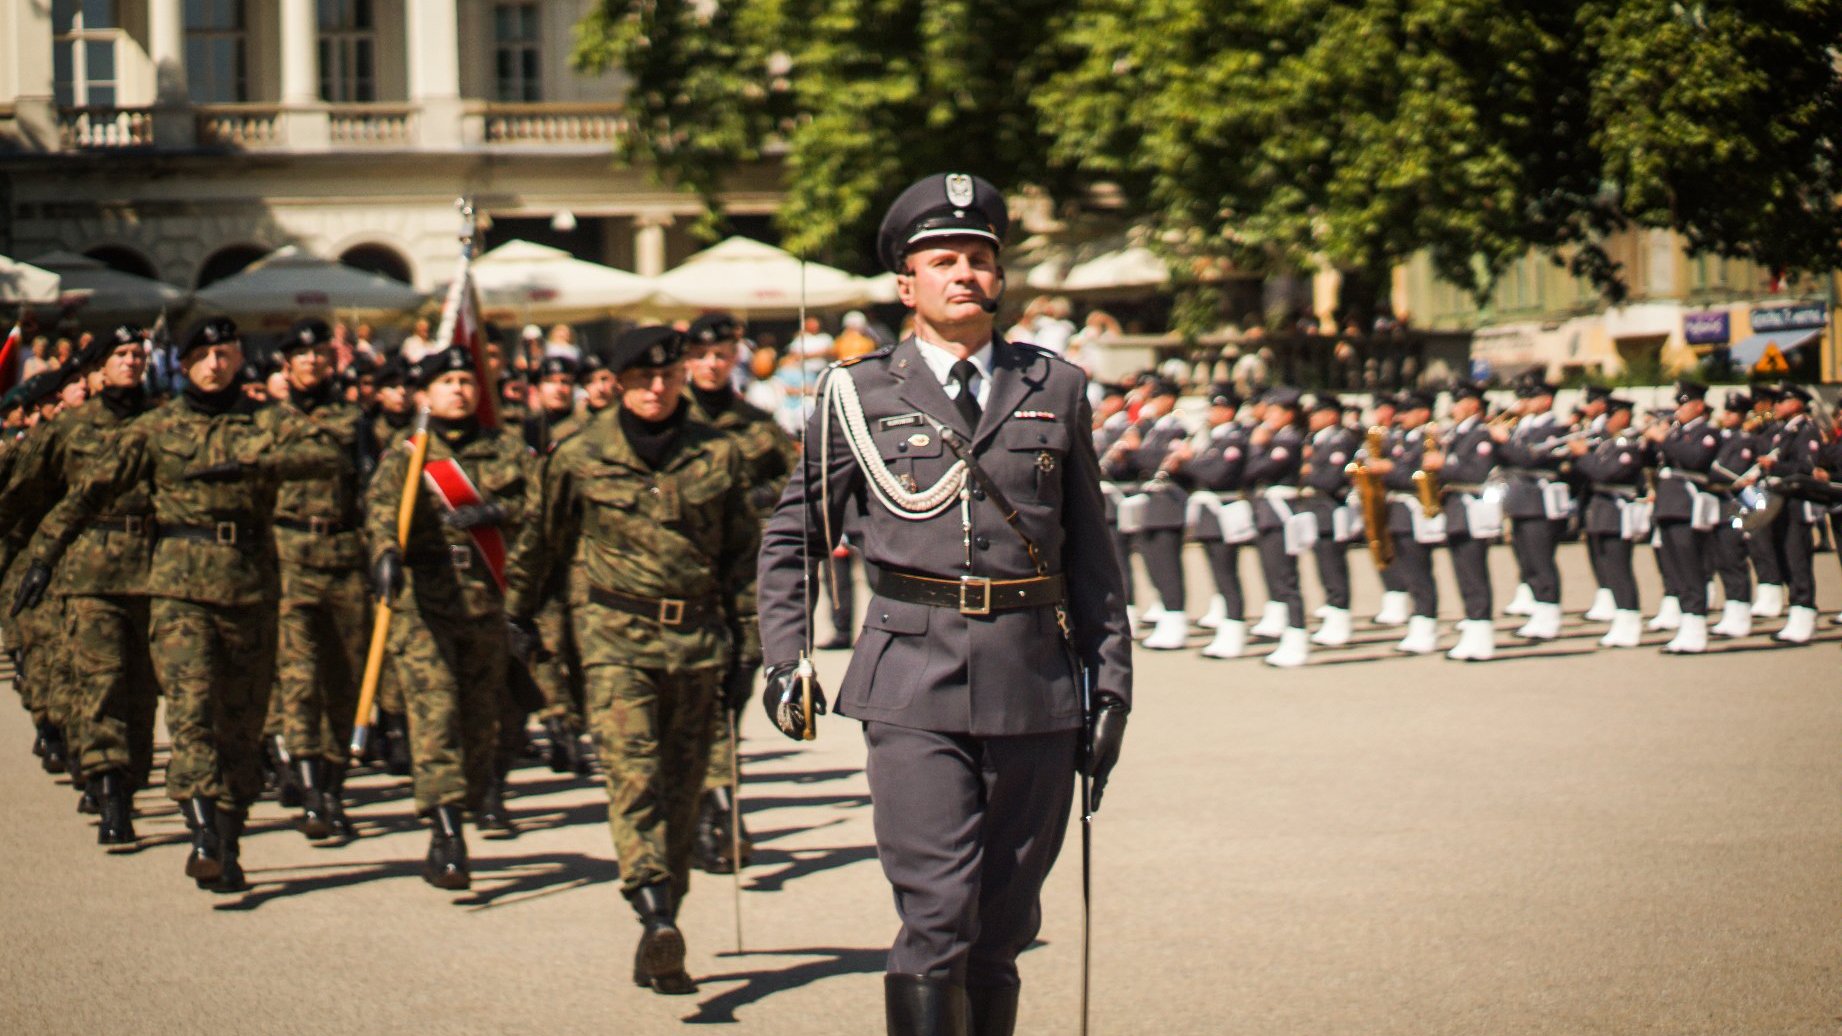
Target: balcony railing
104, 127
250, 127
372, 125
555, 124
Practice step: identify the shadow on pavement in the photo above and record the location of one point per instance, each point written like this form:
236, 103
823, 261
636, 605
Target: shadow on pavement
799, 863
759, 984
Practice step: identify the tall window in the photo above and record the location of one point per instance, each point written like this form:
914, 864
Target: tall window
348, 51
215, 63
83, 60
515, 51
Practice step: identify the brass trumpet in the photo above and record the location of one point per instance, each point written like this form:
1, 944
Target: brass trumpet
1426, 483
1373, 496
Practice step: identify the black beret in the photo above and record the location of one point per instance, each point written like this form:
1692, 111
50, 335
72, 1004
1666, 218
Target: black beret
13, 400
434, 365
557, 365
97, 352
1467, 390
393, 371
655, 345
1413, 401
1787, 390
38, 388
1690, 391
592, 360
125, 334
1223, 394
714, 327
1613, 403
943, 205
305, 334
211, 331
1282, 396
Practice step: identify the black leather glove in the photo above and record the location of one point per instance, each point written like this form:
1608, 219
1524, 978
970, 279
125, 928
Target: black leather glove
784, 696
229, 471
387, 575
472, 516
31, 587
524, 641
738, 684
1106, 730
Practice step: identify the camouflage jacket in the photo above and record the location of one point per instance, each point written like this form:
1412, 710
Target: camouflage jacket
237, 565
684, 532
111, 555
333, 504
768, 452
501, 468
22, 519
386, 435
571, 426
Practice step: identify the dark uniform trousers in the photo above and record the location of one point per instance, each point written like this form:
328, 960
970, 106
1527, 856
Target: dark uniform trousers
1762, 550
1471, 570
1162, 551
1332, 557
1685, 555
1281, 572
1413, 563
1611, 557
1794, 550
1536, 540
1730, 554
113, 671
1225, 566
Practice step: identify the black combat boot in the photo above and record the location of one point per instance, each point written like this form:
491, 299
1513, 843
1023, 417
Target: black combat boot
117, 797
994, 1010
307, 775
205, 863
55, 758
658, 962
397, 724
492, 818
332, 798
561, 752
921, 1005
446, 867
230, 839
714, 853
287, 790
89, 802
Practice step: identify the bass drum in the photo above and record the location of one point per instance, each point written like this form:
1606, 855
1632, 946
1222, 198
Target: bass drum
1758, 506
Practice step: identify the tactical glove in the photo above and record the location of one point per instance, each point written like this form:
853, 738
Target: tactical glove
31, 587
738, 684
784, 698
387, 575
472, 516
1106, 730
229, 471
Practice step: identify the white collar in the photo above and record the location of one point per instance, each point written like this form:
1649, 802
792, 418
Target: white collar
941, 362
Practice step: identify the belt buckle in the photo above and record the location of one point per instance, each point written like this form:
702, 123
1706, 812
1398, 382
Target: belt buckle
226, 533
983, 586
671, 611
460, 557
134, 524
320, 526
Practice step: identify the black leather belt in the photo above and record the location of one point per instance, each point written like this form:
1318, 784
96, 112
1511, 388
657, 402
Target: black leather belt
228, 534
132, 524
317, 526
666, 611
1611, 489
457, 556
969, 595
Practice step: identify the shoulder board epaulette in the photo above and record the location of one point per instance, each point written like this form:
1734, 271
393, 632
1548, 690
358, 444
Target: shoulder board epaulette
872, 355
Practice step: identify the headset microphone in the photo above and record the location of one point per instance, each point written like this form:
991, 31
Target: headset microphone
990, 305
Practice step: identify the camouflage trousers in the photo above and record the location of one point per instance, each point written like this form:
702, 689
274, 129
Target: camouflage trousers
216, 666
111, 668
559, 675
38, 638
452, 672
723, 761
324, 626
652, 728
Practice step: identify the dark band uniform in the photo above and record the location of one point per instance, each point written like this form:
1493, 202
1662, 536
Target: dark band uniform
1683, 460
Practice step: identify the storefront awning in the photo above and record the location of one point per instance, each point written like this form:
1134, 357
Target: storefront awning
1748, 351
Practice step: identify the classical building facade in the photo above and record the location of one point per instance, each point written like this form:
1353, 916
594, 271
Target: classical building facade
183, 139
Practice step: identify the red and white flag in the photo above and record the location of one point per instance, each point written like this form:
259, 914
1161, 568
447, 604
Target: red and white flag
12, 358
461, 325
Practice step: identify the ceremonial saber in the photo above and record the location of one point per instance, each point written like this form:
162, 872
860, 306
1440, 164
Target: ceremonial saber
1087, 840
735, 822
805, 671
380, 628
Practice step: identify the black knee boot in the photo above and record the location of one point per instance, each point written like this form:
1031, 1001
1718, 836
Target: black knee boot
204, 863
397, 724
561, 753
921, 1005
307, 775
332, 802
287, 789
658, 962
446, 867
994, 1010
714, 852
230, 839
53, 759
117, 798
492, 818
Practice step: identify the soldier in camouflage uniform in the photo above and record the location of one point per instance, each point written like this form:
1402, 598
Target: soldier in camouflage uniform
101, 581
653, 508
324, 619
394, 421
449, 622
768, 456
211, 463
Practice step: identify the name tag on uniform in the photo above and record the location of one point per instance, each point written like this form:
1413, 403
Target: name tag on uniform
901, 420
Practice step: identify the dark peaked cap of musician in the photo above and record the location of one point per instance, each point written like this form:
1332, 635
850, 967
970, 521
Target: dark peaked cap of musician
969, 692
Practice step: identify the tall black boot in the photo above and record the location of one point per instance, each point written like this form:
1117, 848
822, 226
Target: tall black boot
230, 838
332, 799
446, 866
117, 797
658, 961
920, 1005
492, 818
708, 852
39, 744
562, 751
55, 759
89, 801
398, 762
994, 1010
205, 863
307, 775
287, 789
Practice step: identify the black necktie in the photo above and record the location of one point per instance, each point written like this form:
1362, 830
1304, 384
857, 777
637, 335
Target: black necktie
963, 372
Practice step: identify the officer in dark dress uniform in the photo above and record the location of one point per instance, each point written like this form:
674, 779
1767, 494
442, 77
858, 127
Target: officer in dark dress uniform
970, 692
1276, 455
1415, 531
1762, 542
1537, 502
1685, 450
1735, 467
1798, 446
1397, 603
1215, 473
1162, 501
1324, 490
1613, 465
1473, 519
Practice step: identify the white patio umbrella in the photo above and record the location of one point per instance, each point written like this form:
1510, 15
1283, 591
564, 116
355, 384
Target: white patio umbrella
289, 282
756, 279
112, 293
25, 284
1133, 267
524, 282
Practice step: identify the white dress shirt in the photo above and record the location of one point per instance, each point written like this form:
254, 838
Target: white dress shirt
941, 362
